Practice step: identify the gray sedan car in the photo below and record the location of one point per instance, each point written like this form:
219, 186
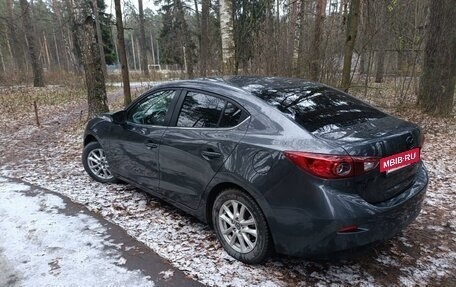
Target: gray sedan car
273, 164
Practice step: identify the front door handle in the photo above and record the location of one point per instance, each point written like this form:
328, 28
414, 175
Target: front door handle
150, 144
210, 154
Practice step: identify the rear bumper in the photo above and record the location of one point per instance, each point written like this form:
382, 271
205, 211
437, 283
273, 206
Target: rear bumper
299, 232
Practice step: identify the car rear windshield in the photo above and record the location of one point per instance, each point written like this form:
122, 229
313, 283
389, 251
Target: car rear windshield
319, 109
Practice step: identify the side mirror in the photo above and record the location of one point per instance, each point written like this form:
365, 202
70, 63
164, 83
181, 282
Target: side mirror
119, 117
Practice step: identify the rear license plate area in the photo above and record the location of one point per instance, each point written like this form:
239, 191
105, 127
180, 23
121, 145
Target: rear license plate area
393, 163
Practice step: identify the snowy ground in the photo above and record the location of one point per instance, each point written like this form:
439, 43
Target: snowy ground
41, 246
424, 254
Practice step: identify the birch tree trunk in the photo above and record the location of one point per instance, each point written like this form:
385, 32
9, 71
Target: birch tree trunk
142, 40
122, 53
226, 31
33, 46
352, 30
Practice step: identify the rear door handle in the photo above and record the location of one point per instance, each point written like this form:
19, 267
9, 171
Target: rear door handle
150, 144
210, 154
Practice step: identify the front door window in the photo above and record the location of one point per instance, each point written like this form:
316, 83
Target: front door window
153, 110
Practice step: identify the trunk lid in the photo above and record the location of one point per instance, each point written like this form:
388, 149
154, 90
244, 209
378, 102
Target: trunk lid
380, 137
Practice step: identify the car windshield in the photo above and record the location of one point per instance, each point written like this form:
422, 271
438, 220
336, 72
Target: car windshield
319, 109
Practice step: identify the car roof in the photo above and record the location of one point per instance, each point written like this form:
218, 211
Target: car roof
247, 84
254, 83
207, 84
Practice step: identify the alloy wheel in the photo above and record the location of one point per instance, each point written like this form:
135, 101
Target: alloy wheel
238, 226
98, 164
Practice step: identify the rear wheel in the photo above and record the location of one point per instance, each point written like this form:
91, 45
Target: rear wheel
241, 227
95, 163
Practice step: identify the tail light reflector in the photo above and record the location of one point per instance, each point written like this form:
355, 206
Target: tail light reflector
332, 166
348, 229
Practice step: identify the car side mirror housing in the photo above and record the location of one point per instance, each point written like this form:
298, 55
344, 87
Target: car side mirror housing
119, 117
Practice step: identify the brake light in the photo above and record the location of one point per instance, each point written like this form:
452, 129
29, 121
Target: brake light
332, 166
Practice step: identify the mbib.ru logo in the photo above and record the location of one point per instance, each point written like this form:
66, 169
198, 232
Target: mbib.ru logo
399, 160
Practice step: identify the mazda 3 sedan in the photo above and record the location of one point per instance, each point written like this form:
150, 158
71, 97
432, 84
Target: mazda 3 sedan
273, 164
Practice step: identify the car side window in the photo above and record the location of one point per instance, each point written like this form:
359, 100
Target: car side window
232, 116
152, 110
200, 111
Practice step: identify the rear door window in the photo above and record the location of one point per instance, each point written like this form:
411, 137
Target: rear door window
205, 111
200, 111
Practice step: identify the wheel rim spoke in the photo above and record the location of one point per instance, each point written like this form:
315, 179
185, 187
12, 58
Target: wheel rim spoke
247, 240
95, 155
248, 222
226, 219
241, 242
92, 158
228, 212
242, 211
229, 230
235, 208
232, 239
250, 231
94, 166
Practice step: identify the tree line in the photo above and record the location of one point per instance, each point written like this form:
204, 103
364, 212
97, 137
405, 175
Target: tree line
346, 43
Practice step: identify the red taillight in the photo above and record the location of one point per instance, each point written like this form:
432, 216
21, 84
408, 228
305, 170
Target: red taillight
348, 229
332, 166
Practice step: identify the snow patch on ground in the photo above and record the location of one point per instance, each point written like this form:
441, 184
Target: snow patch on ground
39, 246
167, 274
7, 186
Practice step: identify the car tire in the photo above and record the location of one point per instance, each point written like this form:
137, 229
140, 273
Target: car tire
92, 155
240, 228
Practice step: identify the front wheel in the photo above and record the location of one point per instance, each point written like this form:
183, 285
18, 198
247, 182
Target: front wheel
95, 163
241, 227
